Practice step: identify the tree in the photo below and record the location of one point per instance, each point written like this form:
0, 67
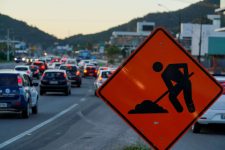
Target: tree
112, 52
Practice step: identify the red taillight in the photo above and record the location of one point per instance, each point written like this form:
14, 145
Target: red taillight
20, 81
78, 73
96, 71
43, 67
28, 72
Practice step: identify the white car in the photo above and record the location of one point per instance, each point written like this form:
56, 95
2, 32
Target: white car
24, 69
215, 114
102, 77
82, 63
71, 61
54, 65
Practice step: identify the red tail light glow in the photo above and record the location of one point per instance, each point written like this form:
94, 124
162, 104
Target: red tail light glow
65, 75
28, 72
43, 67
78, 73
20, 81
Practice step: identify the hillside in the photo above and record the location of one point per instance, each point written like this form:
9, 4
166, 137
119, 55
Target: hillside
21, 31
169, 20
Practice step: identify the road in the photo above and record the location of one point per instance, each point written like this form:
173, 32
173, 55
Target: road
83, 121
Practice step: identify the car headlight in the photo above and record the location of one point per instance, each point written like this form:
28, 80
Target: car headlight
15, 58
23, 59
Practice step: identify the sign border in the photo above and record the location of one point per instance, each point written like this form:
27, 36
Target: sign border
129, 58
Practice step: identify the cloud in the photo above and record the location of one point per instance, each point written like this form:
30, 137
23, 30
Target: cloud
147, 106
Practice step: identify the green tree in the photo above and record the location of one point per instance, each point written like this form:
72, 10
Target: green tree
112, 52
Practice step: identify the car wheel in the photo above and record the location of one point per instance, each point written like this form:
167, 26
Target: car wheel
35, 108
26, 112
196, 128
67, 92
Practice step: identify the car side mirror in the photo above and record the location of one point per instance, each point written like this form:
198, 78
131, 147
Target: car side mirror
35, 84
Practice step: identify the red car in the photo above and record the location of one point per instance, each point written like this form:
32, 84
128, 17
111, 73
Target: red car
55, 60
42, 66
90, 70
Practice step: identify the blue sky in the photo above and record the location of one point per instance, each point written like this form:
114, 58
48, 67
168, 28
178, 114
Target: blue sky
64, 18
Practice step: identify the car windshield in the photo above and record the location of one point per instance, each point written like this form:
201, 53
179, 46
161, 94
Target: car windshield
21, 68
8, 80
54, 75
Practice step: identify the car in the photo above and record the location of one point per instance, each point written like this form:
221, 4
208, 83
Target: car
82, 63
71, 61
73, 74
17, 93
55, 81
20, 59
55, 59
101, 68
90, 70
54, 65
35, 70
216, 113
25, 69
102, 77
42, 66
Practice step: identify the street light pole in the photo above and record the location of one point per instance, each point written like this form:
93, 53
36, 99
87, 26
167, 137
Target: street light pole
200, 42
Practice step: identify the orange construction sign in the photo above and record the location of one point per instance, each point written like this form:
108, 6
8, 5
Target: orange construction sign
160, 90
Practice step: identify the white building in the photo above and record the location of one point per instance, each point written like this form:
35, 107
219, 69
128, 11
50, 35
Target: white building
221, 11
203, 39
131, 40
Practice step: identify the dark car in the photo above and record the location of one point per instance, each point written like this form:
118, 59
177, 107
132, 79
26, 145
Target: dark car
90, 71
19, 59
73, 74
35, 71
42, 66
17, 93
55, 81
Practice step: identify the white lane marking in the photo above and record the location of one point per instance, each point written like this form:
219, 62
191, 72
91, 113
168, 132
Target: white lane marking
83, 99
2, 145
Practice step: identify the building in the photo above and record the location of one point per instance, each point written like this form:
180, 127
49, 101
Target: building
131, 40
221, 12
202, 39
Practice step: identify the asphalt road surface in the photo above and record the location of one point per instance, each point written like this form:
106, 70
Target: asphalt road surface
82, 121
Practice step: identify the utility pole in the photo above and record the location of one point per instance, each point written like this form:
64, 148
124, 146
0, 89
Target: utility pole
200, 42
8, 59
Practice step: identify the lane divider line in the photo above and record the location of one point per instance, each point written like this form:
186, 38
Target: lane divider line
4, 144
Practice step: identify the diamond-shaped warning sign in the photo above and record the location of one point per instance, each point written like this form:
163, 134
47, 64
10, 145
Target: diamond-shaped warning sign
160, 90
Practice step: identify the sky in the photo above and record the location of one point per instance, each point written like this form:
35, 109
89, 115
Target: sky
64, 18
